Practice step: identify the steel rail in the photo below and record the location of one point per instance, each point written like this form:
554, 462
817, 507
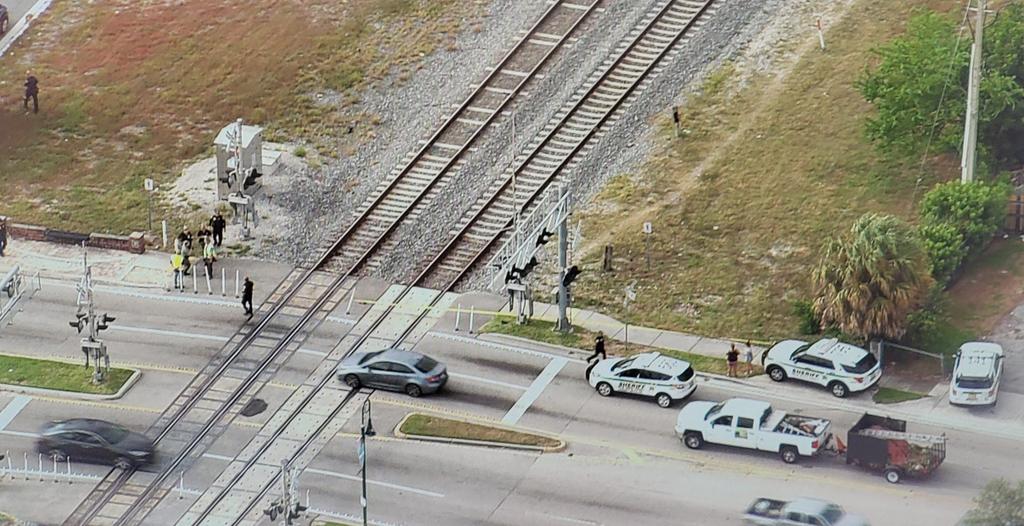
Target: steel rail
454, 242
463, 109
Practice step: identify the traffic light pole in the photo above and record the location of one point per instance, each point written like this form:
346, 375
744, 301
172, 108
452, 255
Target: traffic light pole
563, 263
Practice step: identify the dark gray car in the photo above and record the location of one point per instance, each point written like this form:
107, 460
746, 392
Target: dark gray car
393, 369
95, 441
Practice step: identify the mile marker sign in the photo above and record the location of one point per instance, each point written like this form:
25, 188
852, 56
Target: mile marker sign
149, 185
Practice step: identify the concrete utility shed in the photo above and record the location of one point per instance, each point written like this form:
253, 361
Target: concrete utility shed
226, 143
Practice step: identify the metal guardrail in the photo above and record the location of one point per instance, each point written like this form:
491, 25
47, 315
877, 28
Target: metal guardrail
15, 286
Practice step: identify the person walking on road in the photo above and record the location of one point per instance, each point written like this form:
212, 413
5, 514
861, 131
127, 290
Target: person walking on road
598, 351
247, 296
748, 358
32, 91
732, 357
217, 223
3, 237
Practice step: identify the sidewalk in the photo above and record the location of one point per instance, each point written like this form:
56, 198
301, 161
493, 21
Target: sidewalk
617, 330
122, 269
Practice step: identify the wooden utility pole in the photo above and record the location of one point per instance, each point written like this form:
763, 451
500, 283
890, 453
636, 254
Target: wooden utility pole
969, 156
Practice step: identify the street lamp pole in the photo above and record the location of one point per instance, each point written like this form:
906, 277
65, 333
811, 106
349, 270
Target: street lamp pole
365, 430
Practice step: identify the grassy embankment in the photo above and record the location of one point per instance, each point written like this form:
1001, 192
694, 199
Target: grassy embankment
138, 89
49, 374
436, 426
741, 205
583, 339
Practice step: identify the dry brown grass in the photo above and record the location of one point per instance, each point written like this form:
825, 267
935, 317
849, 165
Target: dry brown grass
742, 204
132, 89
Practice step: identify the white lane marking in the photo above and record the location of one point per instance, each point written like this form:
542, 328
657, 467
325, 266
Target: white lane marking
486, 381
13, 408
165, 332
501, 347
375, 483
19, 434
536, 388
346, 477
199, 336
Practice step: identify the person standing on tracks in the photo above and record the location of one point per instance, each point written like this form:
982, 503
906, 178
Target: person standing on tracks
247, 296
32, 91
598, 351
217, 223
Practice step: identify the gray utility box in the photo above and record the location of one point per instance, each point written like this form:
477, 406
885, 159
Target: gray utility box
249, 149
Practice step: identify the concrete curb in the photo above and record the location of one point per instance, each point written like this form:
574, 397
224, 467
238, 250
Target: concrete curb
480, 443
72, 395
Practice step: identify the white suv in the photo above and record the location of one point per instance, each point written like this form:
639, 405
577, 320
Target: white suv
976, 374
841, 367
663, 378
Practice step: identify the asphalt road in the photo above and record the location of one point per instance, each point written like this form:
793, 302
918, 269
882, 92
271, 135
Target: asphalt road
623, 464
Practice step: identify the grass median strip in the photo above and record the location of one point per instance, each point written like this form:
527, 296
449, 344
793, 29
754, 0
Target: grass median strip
61, 376
423, 425
583, 339
888, 395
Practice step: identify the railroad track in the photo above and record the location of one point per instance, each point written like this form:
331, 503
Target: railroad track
203, 410
572, 133
411, 188
607, 95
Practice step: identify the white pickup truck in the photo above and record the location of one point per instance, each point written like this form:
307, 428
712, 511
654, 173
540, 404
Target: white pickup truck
799, 512
752, 424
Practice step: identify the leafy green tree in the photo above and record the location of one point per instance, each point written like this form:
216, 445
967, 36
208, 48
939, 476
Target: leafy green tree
869, 281
945, 247
1001, 503
919, 88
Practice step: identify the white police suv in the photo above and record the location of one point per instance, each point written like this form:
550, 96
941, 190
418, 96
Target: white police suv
841, 367
979, 365
664, 378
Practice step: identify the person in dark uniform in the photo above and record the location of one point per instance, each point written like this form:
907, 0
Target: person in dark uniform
217, 223
247, 296
598, 351
3, 237
32, 91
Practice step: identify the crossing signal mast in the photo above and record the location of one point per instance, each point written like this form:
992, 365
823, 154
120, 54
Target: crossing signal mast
288, 507
87, 319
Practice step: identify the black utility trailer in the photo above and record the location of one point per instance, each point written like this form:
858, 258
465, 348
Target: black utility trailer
883, 444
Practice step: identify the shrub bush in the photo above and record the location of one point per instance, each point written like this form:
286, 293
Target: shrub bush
945, 247
976, 209
809, 321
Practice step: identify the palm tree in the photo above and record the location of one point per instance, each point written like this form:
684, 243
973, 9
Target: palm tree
867, 283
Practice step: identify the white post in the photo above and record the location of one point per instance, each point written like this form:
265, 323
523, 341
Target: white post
27, 477
181, 485
458, 317
56, 474
223, 282
163, 227
40, 467
70, 479
969, 155
821, 35
351, 297
236, 283
209, 289
472, 311
195, 281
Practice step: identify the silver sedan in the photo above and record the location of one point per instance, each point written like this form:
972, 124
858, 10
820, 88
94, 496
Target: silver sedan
394, 369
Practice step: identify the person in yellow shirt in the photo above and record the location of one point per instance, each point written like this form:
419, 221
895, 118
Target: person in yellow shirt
177, 261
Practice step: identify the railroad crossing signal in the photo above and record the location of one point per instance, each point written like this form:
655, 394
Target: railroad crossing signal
288, 506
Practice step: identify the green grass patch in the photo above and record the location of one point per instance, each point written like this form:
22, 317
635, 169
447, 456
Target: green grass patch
49, 374
436, 426
888, 395
537, 330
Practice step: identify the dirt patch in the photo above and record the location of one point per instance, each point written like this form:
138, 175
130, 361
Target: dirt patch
991, 286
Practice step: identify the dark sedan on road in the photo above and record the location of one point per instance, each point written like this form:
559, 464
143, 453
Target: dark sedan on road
5, 19
395, 370
95, 441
